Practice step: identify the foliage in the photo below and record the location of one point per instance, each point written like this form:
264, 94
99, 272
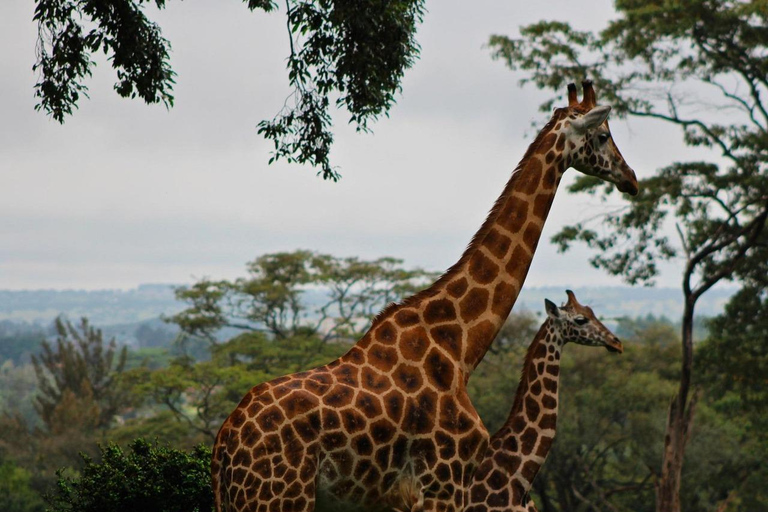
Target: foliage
148, 478
611, 427
18, 385
735, 358
609, 432
153, 358
161, 425
16, 495
78, 374
18, 341
270, 298
153, 336
41, 452
683, 62
357, 51
200, 395
70, 30
734, 362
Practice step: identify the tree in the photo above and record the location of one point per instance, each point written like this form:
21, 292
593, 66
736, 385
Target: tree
345, 292
734, 362
18, 341
78, 374
293, 312
148, 478
357, 51
16, 495
682, 62
734, 358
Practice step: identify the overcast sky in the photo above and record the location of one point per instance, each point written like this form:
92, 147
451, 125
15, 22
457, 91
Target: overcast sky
124, 193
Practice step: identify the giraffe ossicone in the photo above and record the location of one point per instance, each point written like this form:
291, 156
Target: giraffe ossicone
390, 422
518, 450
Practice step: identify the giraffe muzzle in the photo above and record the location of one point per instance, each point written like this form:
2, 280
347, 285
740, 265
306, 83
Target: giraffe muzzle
614, 345
628, 187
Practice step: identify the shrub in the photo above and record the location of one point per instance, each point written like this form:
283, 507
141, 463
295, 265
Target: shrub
148, 478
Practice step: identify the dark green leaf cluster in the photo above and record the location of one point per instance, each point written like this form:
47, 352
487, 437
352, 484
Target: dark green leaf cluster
148, 478
356, 51
134, 44
735, 357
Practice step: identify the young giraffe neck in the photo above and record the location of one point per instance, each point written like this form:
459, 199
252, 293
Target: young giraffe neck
484, 285
520, 447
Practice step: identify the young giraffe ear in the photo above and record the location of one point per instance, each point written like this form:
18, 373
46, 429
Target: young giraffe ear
591, 119
552, 309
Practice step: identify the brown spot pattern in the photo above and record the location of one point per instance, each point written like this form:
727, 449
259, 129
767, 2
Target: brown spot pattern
440, 310
457, 288
482, 269
473, 304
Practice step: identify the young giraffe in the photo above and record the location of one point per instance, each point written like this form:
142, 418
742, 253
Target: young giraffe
517, 451
390, 421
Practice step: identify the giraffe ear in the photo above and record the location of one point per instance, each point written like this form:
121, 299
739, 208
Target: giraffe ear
552, 309
591, 119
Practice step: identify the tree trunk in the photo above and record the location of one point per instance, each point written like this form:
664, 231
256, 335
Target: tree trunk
679, 421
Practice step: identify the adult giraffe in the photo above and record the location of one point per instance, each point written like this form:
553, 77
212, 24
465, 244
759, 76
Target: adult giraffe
390, 421
517, 451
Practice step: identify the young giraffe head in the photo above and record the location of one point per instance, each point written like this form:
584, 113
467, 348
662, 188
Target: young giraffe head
591, 147
578, 324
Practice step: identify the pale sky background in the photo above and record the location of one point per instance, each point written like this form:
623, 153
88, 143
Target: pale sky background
124, 193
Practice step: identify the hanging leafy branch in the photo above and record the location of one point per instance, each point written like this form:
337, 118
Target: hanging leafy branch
355, 51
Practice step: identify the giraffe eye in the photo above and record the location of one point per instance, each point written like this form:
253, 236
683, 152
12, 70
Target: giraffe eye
581, 320
603, 138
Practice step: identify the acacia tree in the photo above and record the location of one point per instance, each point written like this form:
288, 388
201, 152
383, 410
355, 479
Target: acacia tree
356, 51
684, 62
348, 292
294, 311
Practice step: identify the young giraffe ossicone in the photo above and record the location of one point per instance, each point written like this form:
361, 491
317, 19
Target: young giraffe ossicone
517, 451
389, 422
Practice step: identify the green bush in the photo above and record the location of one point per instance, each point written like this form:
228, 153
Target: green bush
149, 478
16, 494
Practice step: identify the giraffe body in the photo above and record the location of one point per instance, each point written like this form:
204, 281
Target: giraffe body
390, 422
518, 450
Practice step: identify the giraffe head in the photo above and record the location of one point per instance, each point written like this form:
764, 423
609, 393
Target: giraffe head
592, 149
577, 323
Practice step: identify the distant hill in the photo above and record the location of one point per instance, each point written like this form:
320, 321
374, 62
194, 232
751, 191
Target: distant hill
148, 301
102, 307
618, 301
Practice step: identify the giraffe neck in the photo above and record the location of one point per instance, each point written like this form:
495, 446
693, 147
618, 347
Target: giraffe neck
463, 311
522, 444
486, 281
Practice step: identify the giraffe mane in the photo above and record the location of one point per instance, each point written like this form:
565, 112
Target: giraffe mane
478, 237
